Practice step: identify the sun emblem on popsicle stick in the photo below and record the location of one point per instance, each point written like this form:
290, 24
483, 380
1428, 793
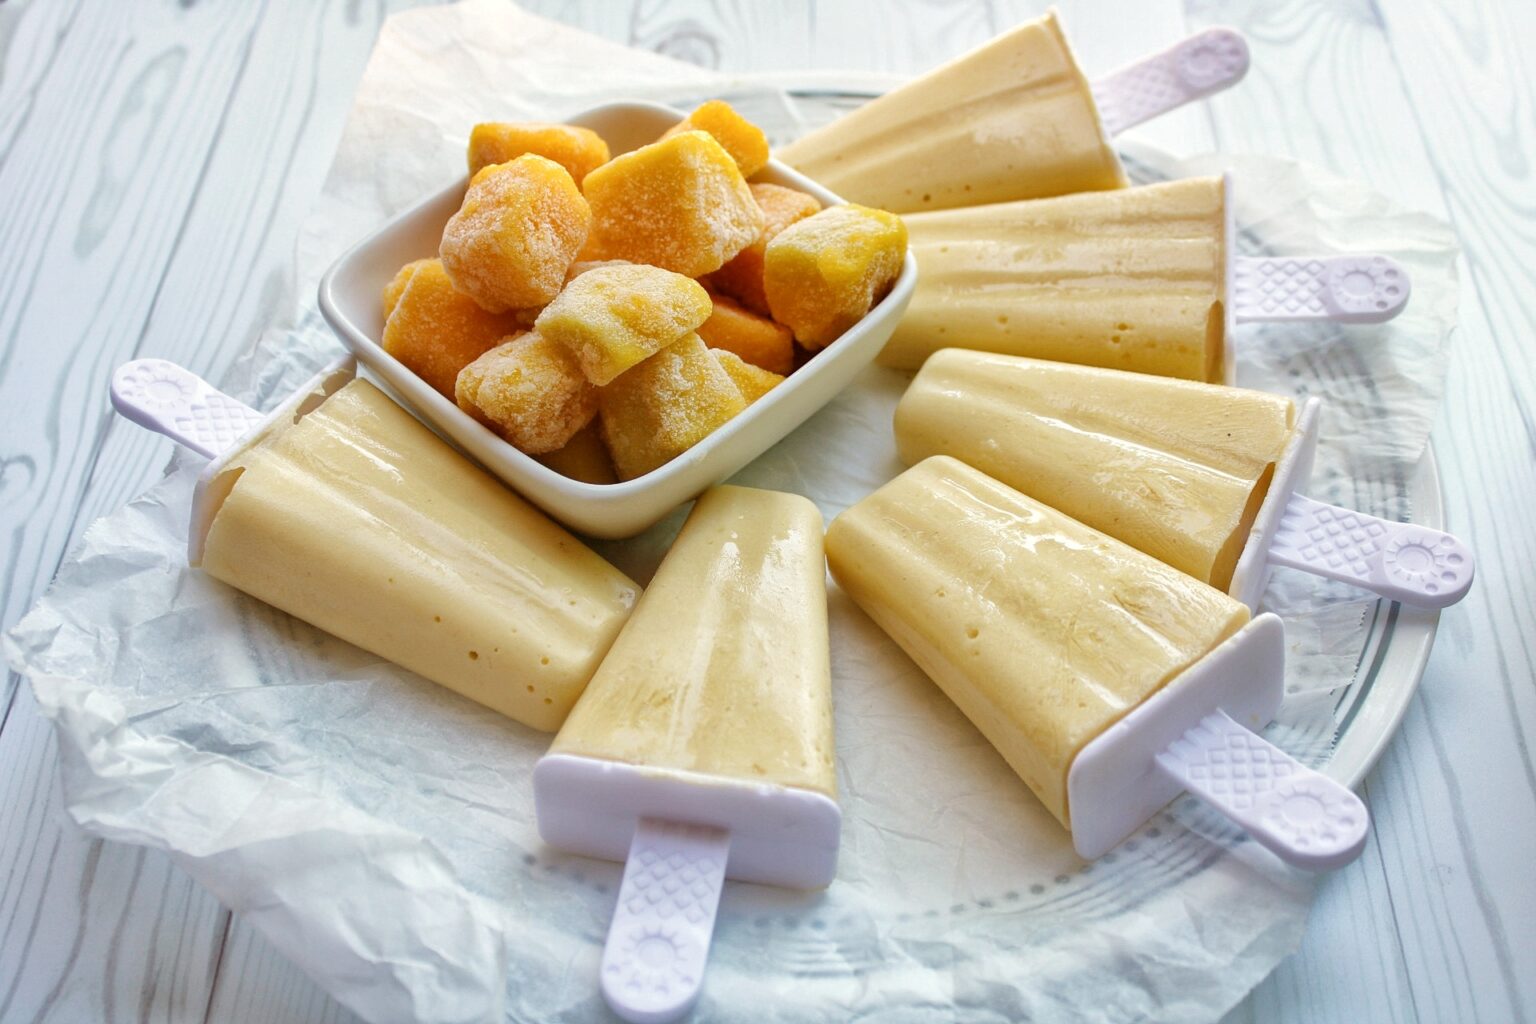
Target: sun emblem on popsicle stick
653, 959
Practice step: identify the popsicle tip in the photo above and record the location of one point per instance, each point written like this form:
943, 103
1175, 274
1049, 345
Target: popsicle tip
1368, 289
1427, 568
1214, 59
1317, 824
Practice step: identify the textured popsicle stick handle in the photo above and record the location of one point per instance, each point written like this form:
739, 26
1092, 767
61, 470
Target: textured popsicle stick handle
1400, 561
1205, 63
165, 398
1306, 818
658, 943
1362, 289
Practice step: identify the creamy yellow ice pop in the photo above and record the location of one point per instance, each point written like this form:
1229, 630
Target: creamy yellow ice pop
1177, 469
703, 747
1043, 631
361, 521
1012, 119
723, 670
1133, 279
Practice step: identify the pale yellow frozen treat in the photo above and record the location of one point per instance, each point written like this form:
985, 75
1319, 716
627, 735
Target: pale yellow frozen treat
361, 521
1133, 280
1011, 119
1175, 468
1043, 631
723, 669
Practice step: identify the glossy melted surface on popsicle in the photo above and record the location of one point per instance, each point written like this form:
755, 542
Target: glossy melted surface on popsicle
1132, 280
1043, 631
361, 521
1175, 468
1012, 119
724, 667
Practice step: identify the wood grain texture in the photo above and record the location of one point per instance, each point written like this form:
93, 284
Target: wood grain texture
196, 140
196, 145
1353, 88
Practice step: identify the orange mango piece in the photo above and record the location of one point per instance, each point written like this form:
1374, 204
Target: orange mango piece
396, 286
824, 273
754, 338
436, 330
659, 409
742, 277
613, 317
583, 458
680, 204
741, 138
517, 233
530, 391
578, 150
752, 381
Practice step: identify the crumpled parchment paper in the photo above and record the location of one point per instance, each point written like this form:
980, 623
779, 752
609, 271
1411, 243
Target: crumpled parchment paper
380, 830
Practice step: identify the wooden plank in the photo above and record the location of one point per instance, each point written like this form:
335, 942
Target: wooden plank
90, 930
224, 168
1424, 932
88, 215
258, 985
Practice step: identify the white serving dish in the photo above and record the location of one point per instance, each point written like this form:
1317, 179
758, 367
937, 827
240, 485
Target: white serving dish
350, 299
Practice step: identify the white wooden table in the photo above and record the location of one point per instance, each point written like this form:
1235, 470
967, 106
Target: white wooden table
156, 160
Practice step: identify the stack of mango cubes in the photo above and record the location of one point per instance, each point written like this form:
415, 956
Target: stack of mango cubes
606, 314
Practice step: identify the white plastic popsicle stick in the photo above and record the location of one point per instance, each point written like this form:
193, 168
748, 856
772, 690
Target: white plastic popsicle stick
169, 400
658, 943
1400, 561
1350, 289
1205, 63
1304, 817
1198, 734
176, 402
748, 831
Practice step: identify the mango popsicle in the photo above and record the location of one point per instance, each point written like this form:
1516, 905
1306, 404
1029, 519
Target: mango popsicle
1043, 631
346, 512
1206, 478
1018, 108
1177, 469
1014, 118
703, 747
1133, 279
1140, 279
1086, 663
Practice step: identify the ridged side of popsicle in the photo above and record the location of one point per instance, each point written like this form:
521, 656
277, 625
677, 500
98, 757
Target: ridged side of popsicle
1043, 631
724, 668
1012, 119
363, 522
1177, 469
1131, 280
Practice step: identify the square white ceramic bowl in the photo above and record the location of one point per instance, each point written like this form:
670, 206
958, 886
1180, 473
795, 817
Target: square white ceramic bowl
349, 297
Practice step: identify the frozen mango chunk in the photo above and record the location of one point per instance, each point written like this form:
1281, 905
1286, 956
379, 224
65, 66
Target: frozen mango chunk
742, 277
752, 381
396, 286
582, 266
578, 150
436, 330
530, 391
680, 203
754, 338
583, 458
822, 274
741, 138
613, 317
517, 233
656, 411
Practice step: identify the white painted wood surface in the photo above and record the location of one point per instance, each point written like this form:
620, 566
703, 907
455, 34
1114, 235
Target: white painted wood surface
156, 160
